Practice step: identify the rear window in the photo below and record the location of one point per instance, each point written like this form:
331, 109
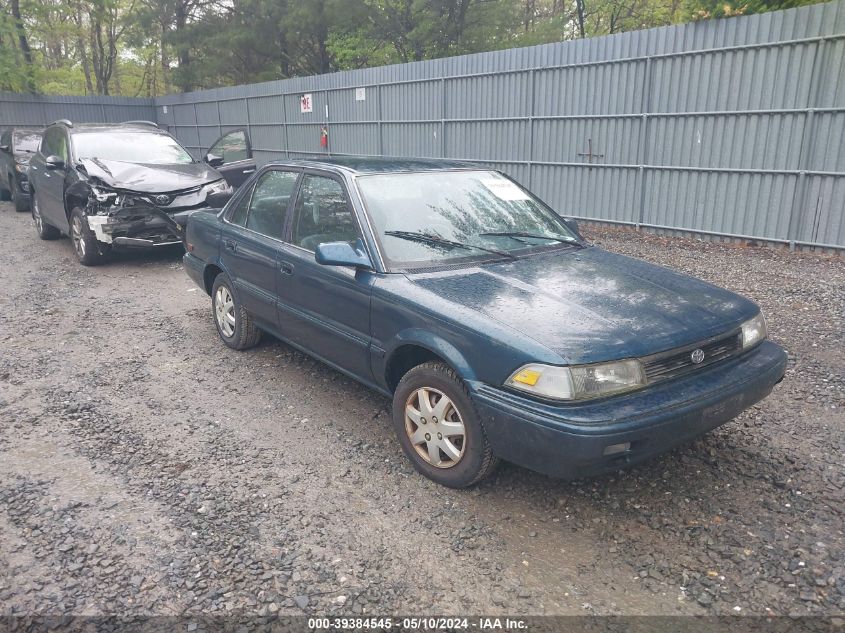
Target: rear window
26, 141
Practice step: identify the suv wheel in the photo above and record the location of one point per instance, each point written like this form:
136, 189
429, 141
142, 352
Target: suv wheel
87, 247
234, 324
438, 427
45, 231
5, 194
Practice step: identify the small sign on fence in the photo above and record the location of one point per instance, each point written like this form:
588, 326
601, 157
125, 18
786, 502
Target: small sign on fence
360, 94
305, 104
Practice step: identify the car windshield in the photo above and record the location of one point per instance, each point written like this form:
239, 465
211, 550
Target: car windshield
131, 147
436, 218
27, 142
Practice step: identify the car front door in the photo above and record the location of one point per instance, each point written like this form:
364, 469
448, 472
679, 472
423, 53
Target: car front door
236, 152
251, 239
51, 182
325, 309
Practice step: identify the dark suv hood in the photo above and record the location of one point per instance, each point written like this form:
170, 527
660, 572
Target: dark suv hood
146, 178
589, 305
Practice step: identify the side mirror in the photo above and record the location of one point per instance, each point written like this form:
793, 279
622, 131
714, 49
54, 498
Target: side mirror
54, 162
213, 160
4, 148
343, 254
572, 224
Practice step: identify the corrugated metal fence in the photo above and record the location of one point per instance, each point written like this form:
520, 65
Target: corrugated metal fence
730, 127
39, 110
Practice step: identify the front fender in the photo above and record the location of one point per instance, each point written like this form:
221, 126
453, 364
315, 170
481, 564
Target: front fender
436, 345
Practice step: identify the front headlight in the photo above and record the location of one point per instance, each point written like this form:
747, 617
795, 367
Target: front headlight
578, 382
221, 186
753, 331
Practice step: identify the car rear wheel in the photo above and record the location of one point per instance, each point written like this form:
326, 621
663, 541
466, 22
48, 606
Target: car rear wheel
45, 231
438, 427
234, 324
89, 251
5, 194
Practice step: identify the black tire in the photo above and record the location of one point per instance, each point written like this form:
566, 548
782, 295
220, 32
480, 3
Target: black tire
244, 333
5, 194
21, 203
89, 250
45, 231
476, 460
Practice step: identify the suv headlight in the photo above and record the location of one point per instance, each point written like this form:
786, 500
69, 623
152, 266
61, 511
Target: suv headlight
753, 331
578, 382
221, 186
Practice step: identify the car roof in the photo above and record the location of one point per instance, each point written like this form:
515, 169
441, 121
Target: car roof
360, 165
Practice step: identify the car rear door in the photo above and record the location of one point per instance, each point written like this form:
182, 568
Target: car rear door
325, 309
235, 150
251, 239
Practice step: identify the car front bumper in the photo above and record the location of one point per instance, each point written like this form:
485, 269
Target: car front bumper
144, 228
577, 440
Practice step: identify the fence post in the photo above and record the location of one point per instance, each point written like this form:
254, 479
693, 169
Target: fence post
531, 115
642, 141
808, 137
285, 123
443, 117
380, 118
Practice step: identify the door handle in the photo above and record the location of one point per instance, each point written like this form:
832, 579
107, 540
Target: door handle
286, 268
231, 245
248, 171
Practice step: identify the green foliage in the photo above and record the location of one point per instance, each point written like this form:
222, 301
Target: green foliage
151, 47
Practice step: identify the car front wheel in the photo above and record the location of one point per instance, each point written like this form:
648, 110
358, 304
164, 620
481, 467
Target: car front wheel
438, 427
234, 324
87, 247
45, 231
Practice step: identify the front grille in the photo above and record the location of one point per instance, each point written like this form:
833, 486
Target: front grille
678, 362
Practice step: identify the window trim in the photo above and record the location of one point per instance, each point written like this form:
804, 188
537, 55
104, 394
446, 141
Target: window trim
344, 188
227, 214
246, 139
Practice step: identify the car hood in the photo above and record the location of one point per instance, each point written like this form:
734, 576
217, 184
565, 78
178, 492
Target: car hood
589, 305
145, 178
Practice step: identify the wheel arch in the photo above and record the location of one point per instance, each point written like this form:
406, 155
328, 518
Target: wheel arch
76, 196
416, 347
209, 274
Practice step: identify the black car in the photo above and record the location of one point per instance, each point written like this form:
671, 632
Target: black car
17, 145
118, 185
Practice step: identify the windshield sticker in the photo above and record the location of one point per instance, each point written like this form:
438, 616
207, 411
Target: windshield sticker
504, 189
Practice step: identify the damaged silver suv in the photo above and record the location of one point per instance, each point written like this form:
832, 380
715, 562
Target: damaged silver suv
118, 185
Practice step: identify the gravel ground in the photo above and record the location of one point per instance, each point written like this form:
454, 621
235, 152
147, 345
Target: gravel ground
147, 469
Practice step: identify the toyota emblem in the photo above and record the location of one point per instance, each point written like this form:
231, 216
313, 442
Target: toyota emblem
697, 356
162, 200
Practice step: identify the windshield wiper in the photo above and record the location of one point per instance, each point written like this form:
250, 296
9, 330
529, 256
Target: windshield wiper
518, 234
426, 238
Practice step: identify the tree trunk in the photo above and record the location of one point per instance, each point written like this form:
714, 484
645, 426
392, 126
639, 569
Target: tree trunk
19, 28
580, 5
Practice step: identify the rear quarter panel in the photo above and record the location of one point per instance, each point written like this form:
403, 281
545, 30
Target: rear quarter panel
204, 230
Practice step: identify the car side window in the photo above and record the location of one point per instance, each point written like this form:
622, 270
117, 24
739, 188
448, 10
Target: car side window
61, 145
48, 142
322, 214
6, 139
269, 203
238, 215
232, 147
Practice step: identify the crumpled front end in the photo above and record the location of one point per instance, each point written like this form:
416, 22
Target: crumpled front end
125, 218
